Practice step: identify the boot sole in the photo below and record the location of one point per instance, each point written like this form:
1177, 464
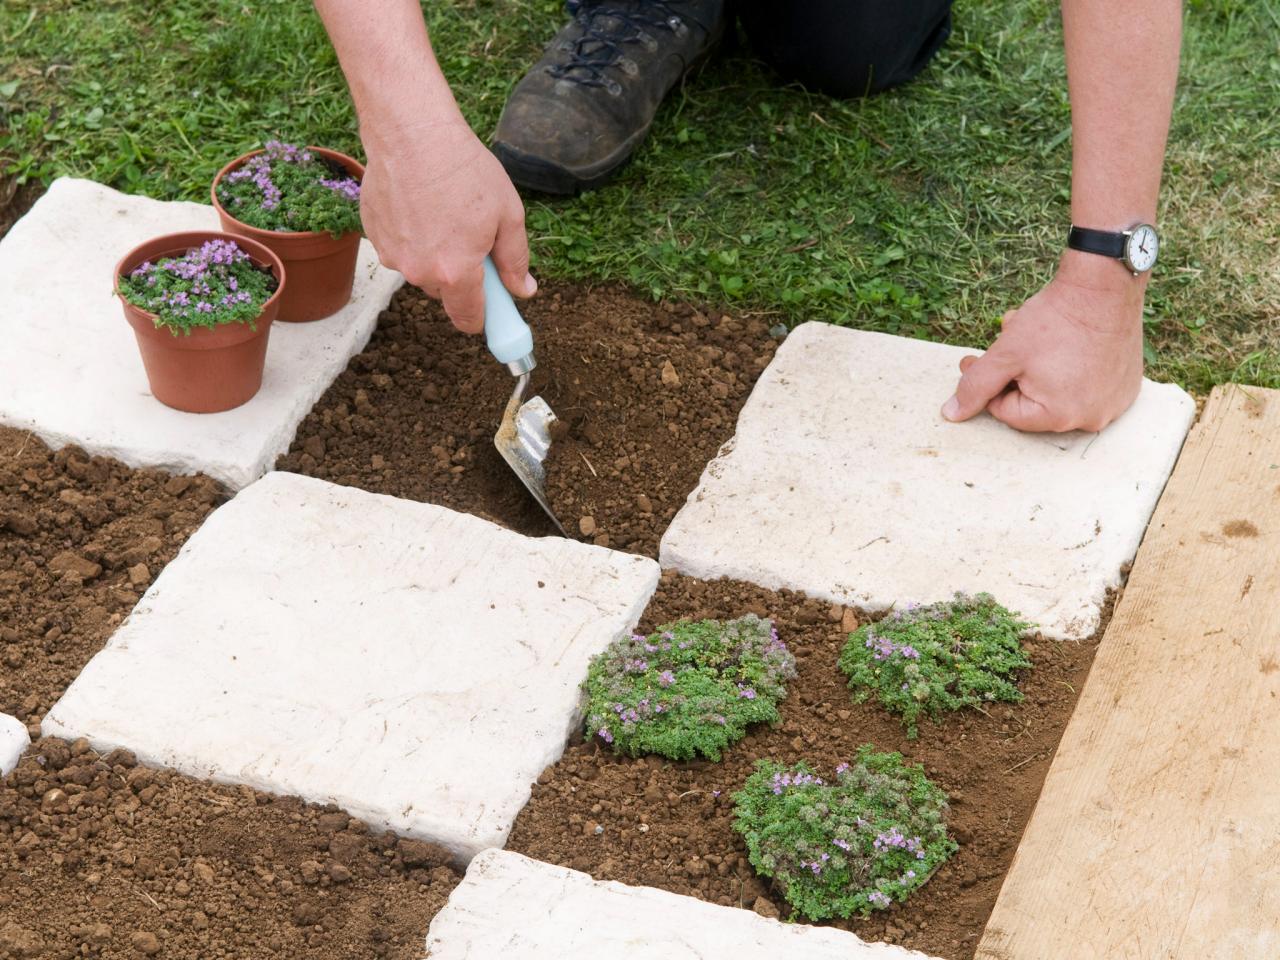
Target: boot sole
542, 176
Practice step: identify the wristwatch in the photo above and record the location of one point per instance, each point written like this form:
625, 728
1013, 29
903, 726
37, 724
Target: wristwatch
1137, 247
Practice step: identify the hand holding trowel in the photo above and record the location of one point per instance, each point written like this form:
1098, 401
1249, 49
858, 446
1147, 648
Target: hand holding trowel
524, 436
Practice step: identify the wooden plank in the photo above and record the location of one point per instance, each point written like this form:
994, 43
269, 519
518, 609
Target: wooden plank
1157, 835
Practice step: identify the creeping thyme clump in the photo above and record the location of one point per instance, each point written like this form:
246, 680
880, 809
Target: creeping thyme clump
850, 846
943, 656
213, 284
689, 689
287, 187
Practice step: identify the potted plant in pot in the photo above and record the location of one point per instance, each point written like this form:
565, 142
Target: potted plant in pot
201, 306
303, 203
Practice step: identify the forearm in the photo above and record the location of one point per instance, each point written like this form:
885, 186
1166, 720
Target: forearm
391, 70
1122, 67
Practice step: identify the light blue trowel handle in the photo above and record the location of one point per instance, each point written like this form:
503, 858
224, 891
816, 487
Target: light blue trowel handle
509, 337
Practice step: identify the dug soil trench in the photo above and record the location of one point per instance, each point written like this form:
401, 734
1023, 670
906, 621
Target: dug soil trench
645, 393
653, 822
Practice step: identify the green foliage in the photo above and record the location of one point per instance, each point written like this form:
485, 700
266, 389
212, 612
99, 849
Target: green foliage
288, 188
926, 211
873, 836
209, 286
692, 688
944, 656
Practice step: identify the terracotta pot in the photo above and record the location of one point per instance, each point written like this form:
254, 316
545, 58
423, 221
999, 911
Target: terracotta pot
321, 268
213, 368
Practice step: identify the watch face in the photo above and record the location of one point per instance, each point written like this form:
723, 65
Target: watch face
1142, 248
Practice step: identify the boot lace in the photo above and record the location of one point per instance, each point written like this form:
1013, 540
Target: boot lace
606, 29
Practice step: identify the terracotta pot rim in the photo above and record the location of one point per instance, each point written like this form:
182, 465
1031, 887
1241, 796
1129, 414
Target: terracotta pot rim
262, 255
354, 167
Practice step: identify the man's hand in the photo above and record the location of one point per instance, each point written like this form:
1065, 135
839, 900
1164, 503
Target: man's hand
434, 203
1070, 358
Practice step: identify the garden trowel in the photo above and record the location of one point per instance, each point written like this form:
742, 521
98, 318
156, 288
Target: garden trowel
524, 436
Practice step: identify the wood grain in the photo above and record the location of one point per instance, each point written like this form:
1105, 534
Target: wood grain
1157, 835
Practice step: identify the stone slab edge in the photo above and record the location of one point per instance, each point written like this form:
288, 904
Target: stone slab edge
673, 554
14, 741
104, 742
179, 462
513, 907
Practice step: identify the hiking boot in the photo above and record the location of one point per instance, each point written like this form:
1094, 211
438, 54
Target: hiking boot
582, 110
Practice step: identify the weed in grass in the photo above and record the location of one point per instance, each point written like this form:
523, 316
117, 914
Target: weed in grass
872, 835
690, 689
943, 656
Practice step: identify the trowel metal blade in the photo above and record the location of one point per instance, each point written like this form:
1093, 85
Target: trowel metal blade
523, 439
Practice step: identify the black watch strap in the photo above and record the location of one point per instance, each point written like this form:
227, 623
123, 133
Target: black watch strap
1102, 242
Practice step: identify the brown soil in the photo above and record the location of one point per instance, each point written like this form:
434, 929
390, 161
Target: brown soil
103, 858
669, 825
15, 201
80, 540
414, 415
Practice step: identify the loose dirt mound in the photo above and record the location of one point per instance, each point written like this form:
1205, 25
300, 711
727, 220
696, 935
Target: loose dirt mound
668, 825
80, 540
646, 395
100, 857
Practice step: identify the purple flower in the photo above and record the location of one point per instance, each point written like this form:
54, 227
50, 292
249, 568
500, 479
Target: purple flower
878, 898
746, 693
842, 844
666, 678
605, 734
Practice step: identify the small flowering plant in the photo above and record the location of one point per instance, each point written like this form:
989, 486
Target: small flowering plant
942, 656
208, 286
691, 689
290, 188
873, 834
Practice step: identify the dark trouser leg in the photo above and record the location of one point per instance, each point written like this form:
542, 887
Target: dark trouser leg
846, 48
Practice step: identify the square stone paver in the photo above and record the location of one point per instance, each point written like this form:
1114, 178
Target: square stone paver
515, 908
14, 740
417, 667
844, 481
70, 369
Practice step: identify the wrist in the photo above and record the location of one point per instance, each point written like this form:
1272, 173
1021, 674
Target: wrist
407, 124
1100, 274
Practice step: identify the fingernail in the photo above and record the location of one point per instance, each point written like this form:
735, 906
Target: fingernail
530, 285
951, 409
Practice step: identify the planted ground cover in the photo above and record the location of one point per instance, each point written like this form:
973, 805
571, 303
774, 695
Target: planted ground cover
646, 395
926, 660
655, 822
688, 690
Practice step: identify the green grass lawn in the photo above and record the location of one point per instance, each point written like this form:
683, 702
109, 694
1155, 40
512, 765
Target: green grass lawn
927, 211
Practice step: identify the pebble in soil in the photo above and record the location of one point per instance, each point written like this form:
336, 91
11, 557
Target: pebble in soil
102, 857
645, 395
653, 822
81, 538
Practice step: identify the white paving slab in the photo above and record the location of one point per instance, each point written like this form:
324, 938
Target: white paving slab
14, 741
844, 481
70, 369
515, 908
417, 667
